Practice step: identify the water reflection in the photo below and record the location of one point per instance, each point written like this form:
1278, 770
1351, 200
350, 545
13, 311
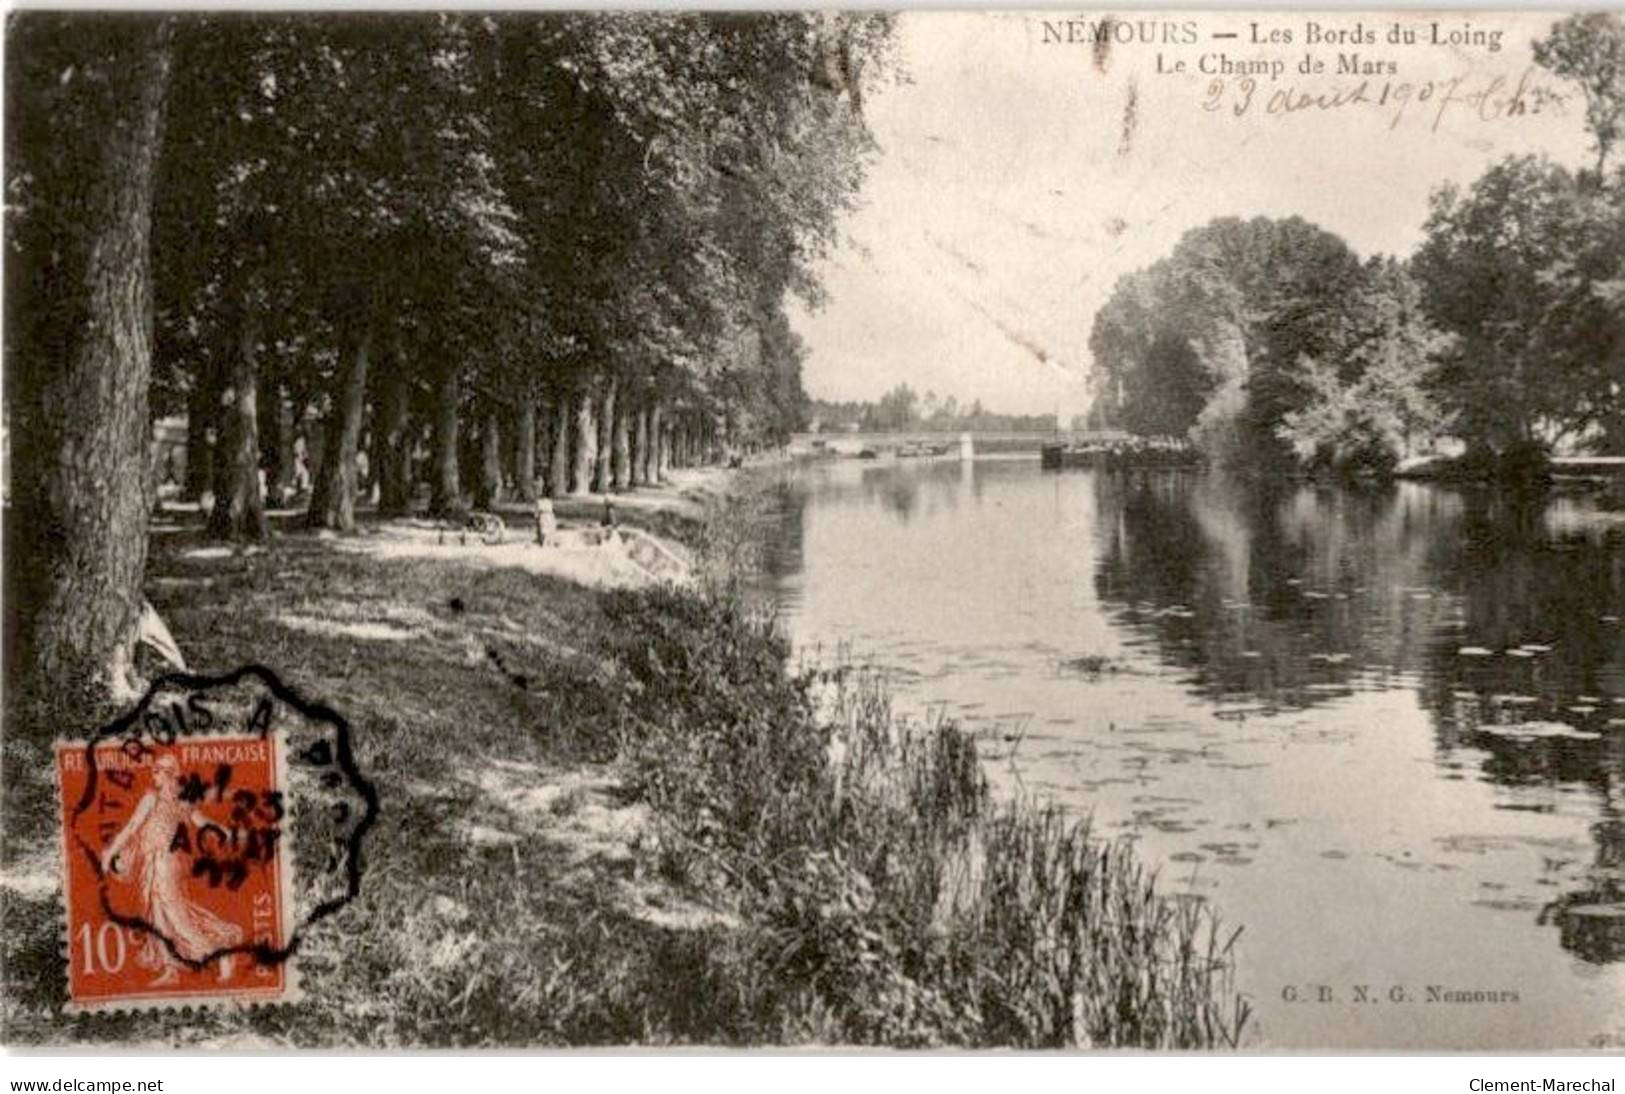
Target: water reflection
922, 487
1503, 619
1295, 595
1591, 920
1401, 707
1292, 597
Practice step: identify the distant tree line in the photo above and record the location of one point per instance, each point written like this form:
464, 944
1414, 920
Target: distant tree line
1271, 344
904, 409
482, 252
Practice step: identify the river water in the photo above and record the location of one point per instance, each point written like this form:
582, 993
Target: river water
1381, 730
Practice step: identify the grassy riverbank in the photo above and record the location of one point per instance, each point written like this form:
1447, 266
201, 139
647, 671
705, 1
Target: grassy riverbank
616, 816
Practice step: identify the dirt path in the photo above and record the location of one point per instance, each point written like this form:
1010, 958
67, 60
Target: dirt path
507, 857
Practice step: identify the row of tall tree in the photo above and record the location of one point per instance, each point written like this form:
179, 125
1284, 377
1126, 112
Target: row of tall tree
903, 408
478, 250
1270, 343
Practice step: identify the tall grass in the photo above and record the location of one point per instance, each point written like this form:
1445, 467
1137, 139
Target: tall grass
890, 897
875, 891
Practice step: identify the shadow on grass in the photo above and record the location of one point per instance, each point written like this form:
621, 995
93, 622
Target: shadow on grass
751, 868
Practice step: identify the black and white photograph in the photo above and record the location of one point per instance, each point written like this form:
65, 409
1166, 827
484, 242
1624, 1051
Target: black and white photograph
814, 531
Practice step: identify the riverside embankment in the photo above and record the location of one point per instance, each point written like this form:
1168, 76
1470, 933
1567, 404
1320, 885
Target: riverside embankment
1381, 725
611, 813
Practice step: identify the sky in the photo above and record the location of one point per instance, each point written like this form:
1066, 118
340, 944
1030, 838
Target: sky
1017, 178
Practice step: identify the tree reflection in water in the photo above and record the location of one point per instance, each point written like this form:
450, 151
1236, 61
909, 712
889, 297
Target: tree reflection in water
1501, 613
1591, 921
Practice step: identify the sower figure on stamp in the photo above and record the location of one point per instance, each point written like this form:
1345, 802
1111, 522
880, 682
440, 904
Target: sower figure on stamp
192, 929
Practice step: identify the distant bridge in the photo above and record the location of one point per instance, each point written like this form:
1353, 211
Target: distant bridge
985, 440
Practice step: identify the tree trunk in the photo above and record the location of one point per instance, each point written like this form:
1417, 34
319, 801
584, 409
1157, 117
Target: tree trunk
446, 492
202, 411
489, 493
640, 448
239, 506
496, 470
657, 445
546, 428
338, 471
621, 441
276, 440
629, 415
468, 454
602, 471
586, 443
320, 455
83, 490
394, 447
524, 456
546, 441
562, 425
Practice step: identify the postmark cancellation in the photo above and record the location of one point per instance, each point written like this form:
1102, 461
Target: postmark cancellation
202, 834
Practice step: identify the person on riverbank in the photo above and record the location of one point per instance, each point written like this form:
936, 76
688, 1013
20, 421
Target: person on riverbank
547, 524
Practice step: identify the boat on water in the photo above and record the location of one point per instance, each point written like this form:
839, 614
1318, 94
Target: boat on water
1133, 453
918, 449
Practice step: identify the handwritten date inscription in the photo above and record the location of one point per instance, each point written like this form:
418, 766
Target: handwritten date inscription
1483, 99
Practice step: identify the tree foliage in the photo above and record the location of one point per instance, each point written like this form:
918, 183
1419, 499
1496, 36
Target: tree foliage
1220, 341
1371, 398
1589, 49
1525, 267
490, 211
373, 237
1506, 328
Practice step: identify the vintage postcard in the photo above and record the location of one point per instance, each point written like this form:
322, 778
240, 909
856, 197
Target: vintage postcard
916, 530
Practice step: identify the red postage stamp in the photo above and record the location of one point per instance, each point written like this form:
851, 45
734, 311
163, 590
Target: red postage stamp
205, 833
176, 872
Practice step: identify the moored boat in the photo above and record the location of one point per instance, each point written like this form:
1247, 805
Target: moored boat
1132, 454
